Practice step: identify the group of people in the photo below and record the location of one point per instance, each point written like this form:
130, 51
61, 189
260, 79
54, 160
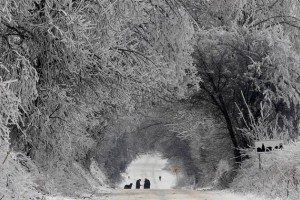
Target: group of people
138, 184
146, 184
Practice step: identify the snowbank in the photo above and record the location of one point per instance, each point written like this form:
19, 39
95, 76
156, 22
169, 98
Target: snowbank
20, 179
18, 175
228, 195
97, 174
78, 182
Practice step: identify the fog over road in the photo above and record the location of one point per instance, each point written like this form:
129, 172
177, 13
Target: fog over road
149, 166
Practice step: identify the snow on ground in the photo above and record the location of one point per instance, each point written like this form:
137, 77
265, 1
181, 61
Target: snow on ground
149, 166
60, 198
152, 166
178, 194
100, 194
279, 176
228, 195
95, 181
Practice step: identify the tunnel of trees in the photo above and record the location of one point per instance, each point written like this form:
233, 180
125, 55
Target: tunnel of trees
160, 131
83, 80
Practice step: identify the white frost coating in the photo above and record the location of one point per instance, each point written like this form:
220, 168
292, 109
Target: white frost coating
228, 195
95, 183
97, 173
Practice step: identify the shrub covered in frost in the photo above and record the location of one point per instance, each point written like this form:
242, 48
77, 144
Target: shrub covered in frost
279, 176
18, 176
223, 175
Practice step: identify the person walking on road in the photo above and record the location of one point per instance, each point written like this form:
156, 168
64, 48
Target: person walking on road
159, 178
146, 184
138, 184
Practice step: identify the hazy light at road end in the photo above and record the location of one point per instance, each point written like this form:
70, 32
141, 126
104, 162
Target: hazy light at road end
149, 166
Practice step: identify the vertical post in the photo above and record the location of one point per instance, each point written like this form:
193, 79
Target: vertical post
259, 161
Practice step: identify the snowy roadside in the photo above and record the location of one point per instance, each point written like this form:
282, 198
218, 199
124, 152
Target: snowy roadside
229, 195
79, 198
101, 194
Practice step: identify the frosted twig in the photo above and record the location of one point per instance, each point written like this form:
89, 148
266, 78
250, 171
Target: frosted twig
8, 82
6, 157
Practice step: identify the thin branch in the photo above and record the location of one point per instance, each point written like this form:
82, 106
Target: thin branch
136, 52
6, 156
18, 29
274, 3
285, 22
56, 117
274, 17
56, 109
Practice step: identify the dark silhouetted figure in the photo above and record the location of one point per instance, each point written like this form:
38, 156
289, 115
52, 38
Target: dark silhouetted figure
262, 149
128, 186
159, 178
138, 184
146, 184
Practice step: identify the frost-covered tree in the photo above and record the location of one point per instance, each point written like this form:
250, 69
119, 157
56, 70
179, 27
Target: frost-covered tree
70, 68
249, 63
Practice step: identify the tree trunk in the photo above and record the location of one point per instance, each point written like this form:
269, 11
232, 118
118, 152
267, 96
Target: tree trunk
237, 153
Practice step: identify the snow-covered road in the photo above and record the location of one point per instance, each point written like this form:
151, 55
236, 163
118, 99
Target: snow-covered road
165, 194
169, 194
